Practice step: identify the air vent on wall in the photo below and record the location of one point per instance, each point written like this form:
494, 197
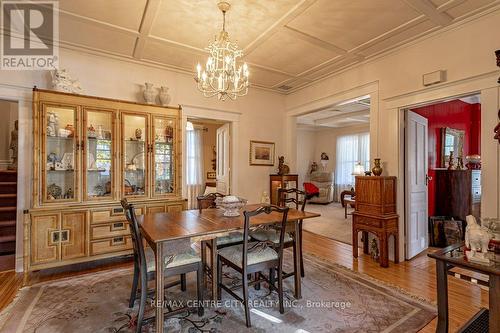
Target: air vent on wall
284, 87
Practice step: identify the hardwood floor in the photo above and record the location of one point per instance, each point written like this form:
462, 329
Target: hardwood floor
416, 276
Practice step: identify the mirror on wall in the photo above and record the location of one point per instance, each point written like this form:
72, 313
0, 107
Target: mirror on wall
452, 140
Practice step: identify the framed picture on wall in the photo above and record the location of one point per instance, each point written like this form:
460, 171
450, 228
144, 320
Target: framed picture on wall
261, 153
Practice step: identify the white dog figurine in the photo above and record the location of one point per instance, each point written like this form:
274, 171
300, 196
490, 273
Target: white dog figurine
477, 239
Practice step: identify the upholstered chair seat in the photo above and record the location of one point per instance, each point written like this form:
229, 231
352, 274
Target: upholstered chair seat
271, 235
178, 259
233, 237
257, 253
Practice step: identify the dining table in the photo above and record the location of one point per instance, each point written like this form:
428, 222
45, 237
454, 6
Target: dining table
163, 228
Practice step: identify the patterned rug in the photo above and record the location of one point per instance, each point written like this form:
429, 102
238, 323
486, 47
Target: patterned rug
335, 299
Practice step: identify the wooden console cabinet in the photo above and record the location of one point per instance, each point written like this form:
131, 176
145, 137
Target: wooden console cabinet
88, 154
281, 181
375, 213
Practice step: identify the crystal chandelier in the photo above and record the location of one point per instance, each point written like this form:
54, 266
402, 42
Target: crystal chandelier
221, 75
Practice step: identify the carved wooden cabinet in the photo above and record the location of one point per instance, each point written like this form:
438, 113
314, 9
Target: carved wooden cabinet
376, 213
88, 153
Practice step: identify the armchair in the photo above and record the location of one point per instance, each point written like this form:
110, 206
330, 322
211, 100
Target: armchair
324, 181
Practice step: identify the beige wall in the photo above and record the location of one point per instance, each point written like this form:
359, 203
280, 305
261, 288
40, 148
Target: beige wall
465, 51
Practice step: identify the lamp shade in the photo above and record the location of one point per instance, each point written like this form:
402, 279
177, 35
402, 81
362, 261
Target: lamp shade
359, 169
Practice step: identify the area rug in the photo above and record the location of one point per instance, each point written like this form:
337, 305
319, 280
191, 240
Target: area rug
332, 222
335, 299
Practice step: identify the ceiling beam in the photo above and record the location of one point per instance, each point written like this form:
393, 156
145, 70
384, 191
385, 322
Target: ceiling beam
427, 8
148, 18
314, 41
343, 116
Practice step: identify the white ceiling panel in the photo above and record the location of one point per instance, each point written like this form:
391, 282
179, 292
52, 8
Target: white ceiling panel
289, 54
123, 13
349, 23
95, 36
197, 22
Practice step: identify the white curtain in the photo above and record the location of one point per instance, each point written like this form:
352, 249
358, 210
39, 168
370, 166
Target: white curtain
194, 166
350, 150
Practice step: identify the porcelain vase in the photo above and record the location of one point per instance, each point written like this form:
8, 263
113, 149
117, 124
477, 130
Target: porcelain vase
164, 96
149, 93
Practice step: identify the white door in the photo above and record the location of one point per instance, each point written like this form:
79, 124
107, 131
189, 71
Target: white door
416, 167
222, 162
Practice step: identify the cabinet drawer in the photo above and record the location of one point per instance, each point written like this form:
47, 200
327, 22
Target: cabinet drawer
115, 244
110, 215
175, 208
114, 229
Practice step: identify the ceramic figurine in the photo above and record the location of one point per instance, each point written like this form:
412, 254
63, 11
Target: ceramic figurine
477, 239
164, 96
377, 169
283, 169
51, 124
265, 198
62, 81
149, 93
314, 167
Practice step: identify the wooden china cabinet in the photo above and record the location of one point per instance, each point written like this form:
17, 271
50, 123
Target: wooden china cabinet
89, 153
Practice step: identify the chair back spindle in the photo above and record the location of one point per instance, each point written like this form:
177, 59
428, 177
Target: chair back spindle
299, 198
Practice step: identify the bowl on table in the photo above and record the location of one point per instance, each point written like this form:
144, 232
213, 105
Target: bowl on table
231, 205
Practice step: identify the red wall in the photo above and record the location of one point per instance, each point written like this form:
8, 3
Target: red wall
454, 114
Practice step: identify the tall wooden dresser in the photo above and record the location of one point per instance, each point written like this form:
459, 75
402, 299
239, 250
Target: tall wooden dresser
376, 213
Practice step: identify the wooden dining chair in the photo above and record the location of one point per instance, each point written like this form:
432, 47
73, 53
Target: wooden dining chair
254, 258
180, 263
297, 198
205, 202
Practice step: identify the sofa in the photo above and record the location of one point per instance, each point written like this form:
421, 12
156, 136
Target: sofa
324, 181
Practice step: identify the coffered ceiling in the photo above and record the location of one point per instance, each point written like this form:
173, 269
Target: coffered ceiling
287, 43
350, 113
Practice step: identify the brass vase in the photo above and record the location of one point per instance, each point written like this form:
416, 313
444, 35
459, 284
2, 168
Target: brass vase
377, 169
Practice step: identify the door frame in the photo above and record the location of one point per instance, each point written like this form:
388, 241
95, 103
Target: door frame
489, 91
231, 117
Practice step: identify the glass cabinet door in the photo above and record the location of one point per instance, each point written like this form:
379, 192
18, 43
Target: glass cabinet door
98, 154
134, 151
163, 155
59, 153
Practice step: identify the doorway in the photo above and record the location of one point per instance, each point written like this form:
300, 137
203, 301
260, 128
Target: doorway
442, 171
333, 146
8, 183
207, 158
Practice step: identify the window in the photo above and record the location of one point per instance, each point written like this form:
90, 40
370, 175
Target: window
350, 150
